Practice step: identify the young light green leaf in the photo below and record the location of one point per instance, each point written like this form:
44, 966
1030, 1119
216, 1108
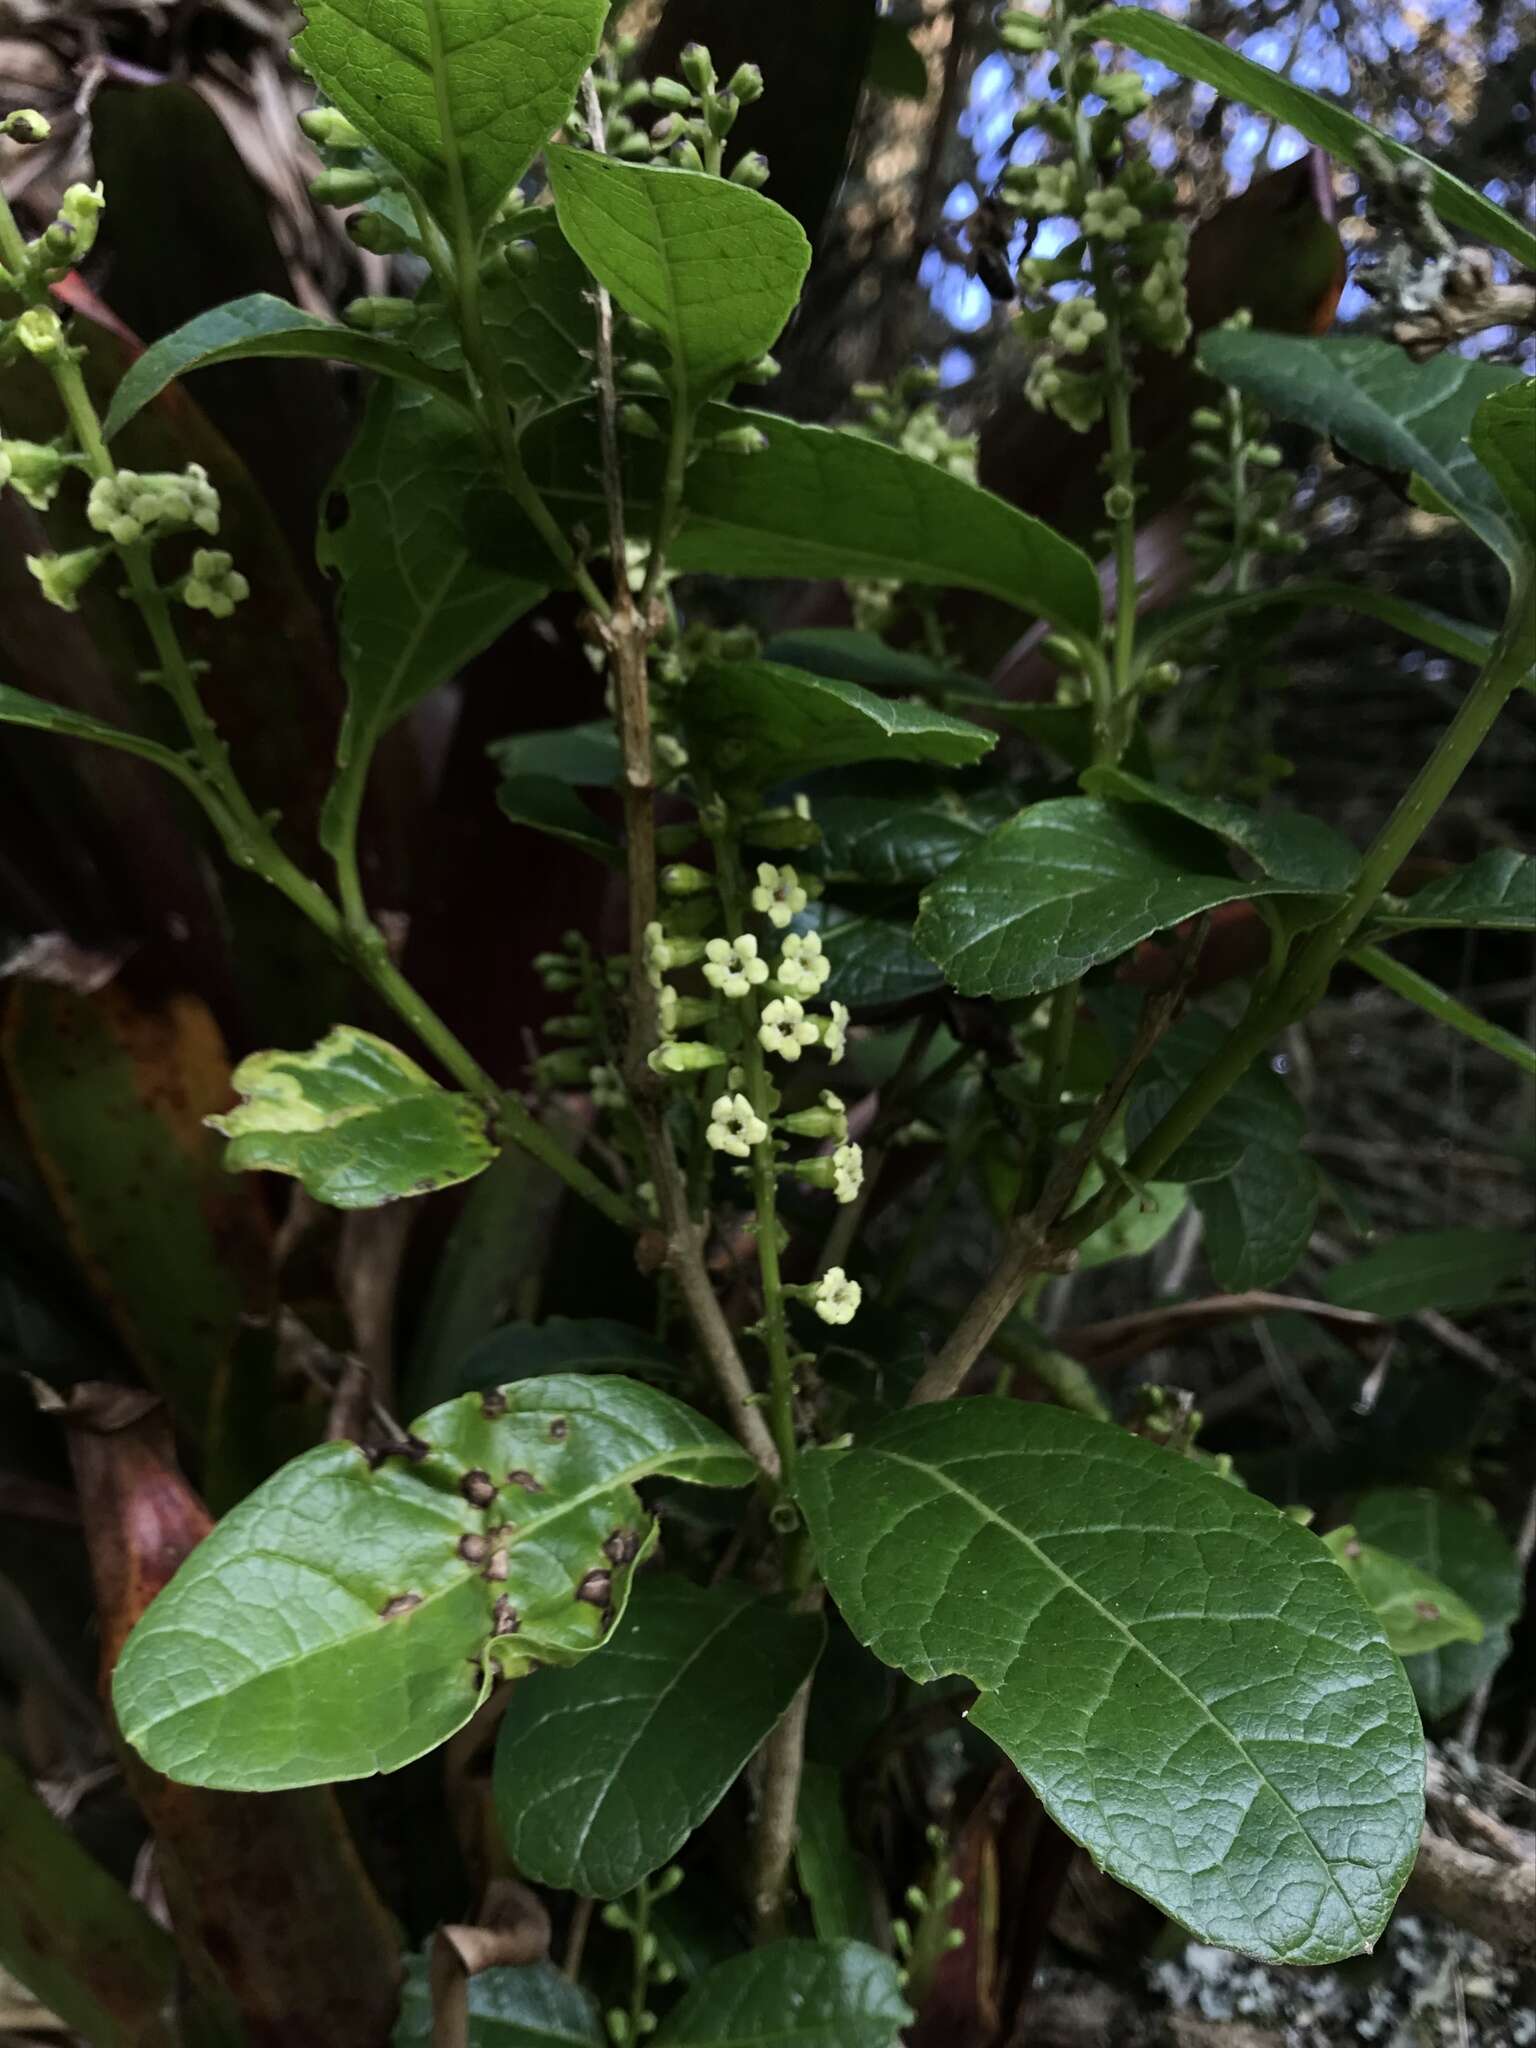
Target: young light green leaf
1187, 1680
1416, 1612
714, 268
1503, 435
1459, 1541
832, 1994
415, 602
827, 1864
819, 502
583, 756
353, 1119
533, 2007
604, 1771
1288, 847
1495, 892
756, 723
1194, 55
459, 95
1449, 1270
544, 804
1066, 885
1384, 408
349, 1615
262, 325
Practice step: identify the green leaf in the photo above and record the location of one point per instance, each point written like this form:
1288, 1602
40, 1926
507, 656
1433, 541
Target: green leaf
416, 604
901, 828
1186, 51
1459, 1541
262, 325
1456, 637
604, 1771
820, 501
353, 1119
794, 1994
1180, 1671
532, 2007
1067, 885
1449, 1270
714, 268
874, 962
1288, 847
758, 723
459, 95
545, 805
1259, 1217
526, 1351
584, 756
827, 1864
18, 708
345, 1618
1444, 1008
1503, 435
858, 657
1495, 892
1416, 1612
1384, 409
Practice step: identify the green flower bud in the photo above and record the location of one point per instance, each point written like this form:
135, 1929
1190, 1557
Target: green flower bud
329, 128
640, 375
379, 315
564, 1069
577, 1029
698, 67
763, 371
1162, 675
1021, 33
41, 333
1208, 421
34, 470
215, 585
79, 211
1056, 120
1265, 454
781, 831
379, 235
740, 441
720, 115
636, 148
684, 1056
345, 188
1119, 502
825, 1122
686, 156
607, 91
751, 170
25, 126
672, 93
634, 419
1083, 73
519, 258
63, 577
667, 130
746, 84
681, 879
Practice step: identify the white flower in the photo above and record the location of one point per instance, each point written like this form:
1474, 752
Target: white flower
666, 1010
215, 585
785, 1028
837, 1297
803, 967
607, 1089
732, 965
847, 1172
834, 1032
734, 1126
778, 895
670, 752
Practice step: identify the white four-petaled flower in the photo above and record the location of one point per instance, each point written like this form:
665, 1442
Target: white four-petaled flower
837, 1297
786, 1029
734, 1126
834, 1032
778, 895
847, 1172
732, 965
803, 966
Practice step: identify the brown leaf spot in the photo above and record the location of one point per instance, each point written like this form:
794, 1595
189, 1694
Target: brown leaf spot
401, 1604
1426, 1610
622, 1547
474, 1549
493, 1403
505, 1619
497, 1567
559, 1430
596, 1588
478, 1488
525, 1480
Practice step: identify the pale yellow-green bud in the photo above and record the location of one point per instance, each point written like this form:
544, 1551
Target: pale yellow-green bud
25, 126
41, 333
329, 128
379, 315
63, 577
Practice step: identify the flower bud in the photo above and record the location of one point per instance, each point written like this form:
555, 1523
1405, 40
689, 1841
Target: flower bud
781, 831
214, 585
41, 333
1022, 33
576, 1028
686, 156
636, 148
751, 170
345, 188
379, 315
698, 67
1119, 501
329, 128
25, 126
667, 130
763, 371
63, 577
740, 441
672, 94
830, 1120
640, 375
720, 115
746, 84
634, 419
684, 1056
681, 879
34, 470
1162, 675
379, 235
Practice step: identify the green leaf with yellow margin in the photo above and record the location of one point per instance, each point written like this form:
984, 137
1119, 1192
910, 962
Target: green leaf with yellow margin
353, 1119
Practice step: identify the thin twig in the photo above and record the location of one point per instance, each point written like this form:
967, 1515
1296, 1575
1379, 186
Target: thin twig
773, 1835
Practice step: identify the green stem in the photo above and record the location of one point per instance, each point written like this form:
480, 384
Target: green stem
781, 1372
1059, 1034
1414, 988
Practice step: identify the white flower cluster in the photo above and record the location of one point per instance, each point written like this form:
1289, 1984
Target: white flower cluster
128, 506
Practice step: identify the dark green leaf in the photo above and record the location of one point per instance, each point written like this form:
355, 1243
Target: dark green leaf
1183, 1674
459, 95
265, 326
1259, 1217
18, 708
415, 603
1456, 637
585, 756
604, 1771
1417, 1613
1386, 410
1458, 1540
858, 657
1451, 1270
714, 268
547, 805
1495, 892
874, 962
757, 723
345, 1619
825, 502
1194, 55
794, 1994
899, 830
526, 1351
353, 1119
1066, 885
534, 2007
831, 1876
1503, 435
1288, 847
